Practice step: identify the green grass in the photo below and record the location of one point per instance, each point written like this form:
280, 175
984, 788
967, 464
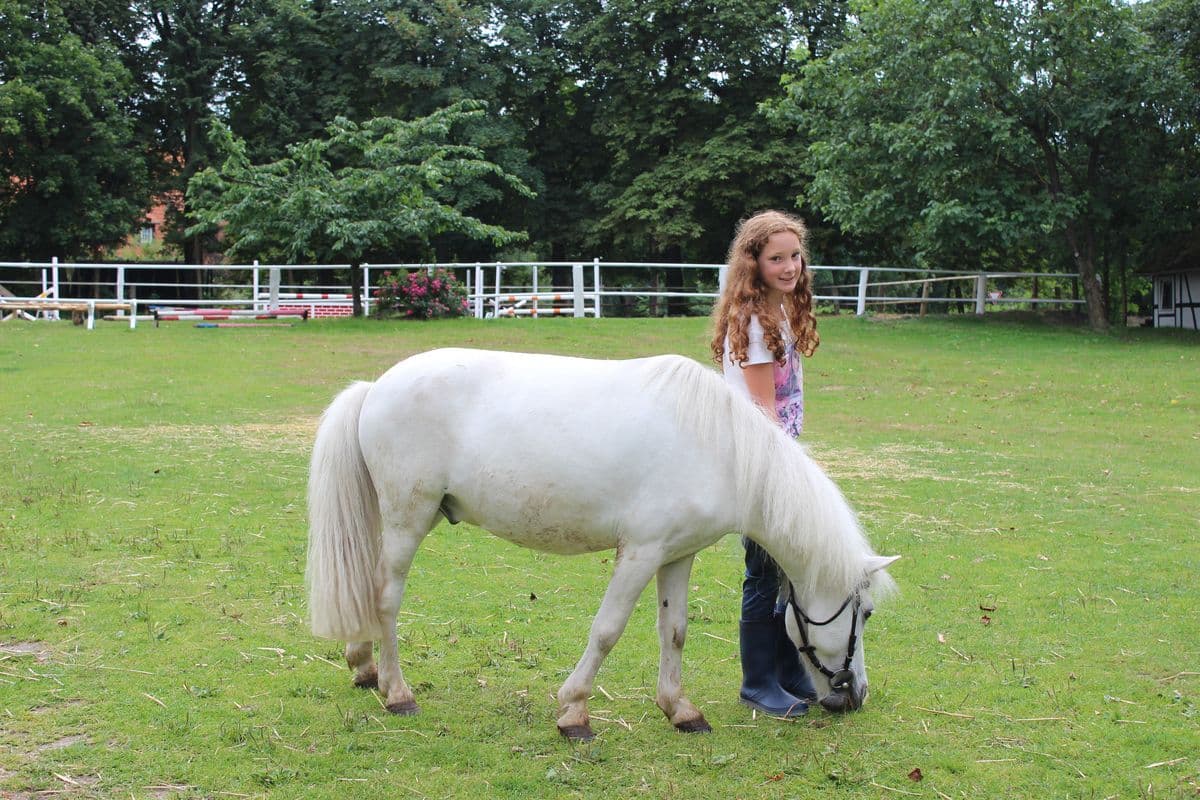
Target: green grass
152, 537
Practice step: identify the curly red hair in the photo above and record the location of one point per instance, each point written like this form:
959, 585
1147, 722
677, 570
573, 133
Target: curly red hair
745, 294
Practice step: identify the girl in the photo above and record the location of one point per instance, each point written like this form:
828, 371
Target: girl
763, 321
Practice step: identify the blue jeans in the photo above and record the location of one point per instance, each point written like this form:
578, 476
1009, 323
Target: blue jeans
760, 587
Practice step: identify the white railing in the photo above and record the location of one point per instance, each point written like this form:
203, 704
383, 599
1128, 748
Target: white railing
506, 289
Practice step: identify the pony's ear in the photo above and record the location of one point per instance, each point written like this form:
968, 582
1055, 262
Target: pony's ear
876, 563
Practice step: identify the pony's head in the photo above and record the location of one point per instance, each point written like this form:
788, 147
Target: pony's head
828, 631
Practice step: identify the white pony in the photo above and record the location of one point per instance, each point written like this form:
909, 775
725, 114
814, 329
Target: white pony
655, 458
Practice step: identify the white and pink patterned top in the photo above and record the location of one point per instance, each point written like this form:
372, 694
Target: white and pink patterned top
789, 379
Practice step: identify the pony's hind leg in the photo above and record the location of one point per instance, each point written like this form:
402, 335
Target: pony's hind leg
358, 656
672, 631
396, 555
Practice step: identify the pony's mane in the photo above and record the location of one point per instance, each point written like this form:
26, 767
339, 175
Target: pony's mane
778, 485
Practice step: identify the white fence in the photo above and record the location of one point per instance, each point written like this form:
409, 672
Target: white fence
501, 289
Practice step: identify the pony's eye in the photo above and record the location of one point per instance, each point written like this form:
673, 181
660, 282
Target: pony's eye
867, 614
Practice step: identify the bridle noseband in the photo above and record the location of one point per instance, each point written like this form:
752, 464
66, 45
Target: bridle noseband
843, 679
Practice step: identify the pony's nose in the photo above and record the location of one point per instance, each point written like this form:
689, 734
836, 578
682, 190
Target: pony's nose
846, 696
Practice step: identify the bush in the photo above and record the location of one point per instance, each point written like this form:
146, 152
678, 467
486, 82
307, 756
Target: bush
421, 295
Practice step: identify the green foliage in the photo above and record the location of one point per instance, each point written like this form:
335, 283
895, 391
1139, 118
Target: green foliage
366, 188
676, 89
998, 132
73, 179
421, 295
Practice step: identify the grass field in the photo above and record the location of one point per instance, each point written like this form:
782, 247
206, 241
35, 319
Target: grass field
1041, 482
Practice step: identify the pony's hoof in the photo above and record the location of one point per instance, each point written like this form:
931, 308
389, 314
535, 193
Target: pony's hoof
405, 708
577, 733
697, 725
368, 679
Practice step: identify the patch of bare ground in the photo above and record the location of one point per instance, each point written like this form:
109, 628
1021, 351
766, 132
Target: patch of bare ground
253, 436
894, 462
69, 786
63, 743
39, 650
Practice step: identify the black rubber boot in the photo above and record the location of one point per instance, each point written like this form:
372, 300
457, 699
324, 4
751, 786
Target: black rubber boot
793, 678
758, 643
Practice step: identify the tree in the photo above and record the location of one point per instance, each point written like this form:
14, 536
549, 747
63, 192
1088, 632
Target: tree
72, 175
1169, 227
993, 126
538, 88
360, 190
296, 64
187, 47
677, 88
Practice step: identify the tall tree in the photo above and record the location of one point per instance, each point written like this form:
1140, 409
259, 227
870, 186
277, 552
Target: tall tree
1170, 222
72, 175
187, 43
359, 190
298, 64
677, 88
993, 124
538, 89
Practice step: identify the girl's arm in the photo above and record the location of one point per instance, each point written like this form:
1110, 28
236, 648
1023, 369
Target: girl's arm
760, 380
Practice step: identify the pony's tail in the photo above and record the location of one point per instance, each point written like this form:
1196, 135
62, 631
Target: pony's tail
343, 527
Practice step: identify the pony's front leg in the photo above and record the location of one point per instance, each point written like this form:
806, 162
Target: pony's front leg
631, 573
672, 631
396, 556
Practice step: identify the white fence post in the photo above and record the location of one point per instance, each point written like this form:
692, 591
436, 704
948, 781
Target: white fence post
254, 286
273, 291
534, 269
366, 303
54, 285
863, 276
121, 287
496, 302
577, 289
596, 284
478, 290
980, 292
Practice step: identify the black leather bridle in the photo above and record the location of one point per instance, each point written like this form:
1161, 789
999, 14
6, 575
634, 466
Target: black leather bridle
843, 679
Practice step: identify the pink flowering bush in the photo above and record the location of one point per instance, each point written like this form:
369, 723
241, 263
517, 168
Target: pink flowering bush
420, 295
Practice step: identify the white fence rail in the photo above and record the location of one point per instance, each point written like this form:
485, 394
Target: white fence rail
500, 289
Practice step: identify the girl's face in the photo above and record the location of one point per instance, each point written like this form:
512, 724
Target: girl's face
780, 264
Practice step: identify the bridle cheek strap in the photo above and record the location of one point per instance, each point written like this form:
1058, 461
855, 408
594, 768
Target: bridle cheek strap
803, 621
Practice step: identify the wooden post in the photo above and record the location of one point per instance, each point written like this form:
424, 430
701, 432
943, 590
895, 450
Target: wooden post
924, 297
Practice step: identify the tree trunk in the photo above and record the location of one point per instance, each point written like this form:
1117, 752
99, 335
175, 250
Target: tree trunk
676, 306
562, 278
1093, 295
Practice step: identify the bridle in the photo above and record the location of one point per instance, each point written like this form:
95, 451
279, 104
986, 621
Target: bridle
843, 679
